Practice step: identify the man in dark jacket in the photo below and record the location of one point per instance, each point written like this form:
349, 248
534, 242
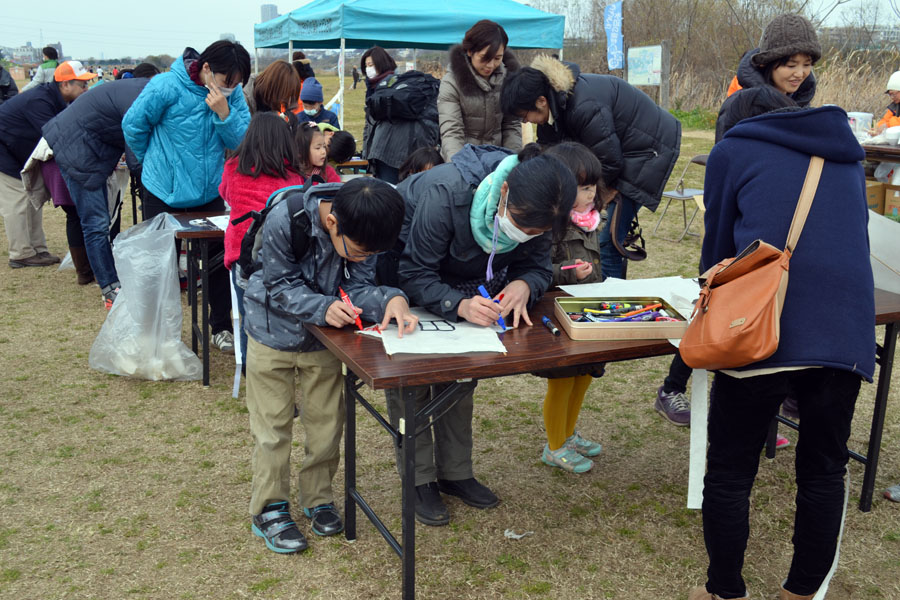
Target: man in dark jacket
8, 87
87, 144
21, 119
636, 141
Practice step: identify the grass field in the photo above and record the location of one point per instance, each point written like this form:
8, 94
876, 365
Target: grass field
117, 489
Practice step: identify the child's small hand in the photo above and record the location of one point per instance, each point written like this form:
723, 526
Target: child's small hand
398, 309
583, 269
339, 314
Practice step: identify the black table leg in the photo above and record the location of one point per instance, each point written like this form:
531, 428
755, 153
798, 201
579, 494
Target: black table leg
204, 313
192, 291
408, 517
349, 458
770, 439
881, 394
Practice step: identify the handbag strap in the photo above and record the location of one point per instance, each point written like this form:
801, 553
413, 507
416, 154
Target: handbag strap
810, 184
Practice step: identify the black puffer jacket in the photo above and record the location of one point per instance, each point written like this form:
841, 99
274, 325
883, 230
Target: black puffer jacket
21, 119
8, 87
636, 141
750, 76
87, 138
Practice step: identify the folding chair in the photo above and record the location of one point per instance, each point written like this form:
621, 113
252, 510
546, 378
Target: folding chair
684, 195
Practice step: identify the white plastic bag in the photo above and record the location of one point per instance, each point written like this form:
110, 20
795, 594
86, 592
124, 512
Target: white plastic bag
887, 172
141, 336
66, 263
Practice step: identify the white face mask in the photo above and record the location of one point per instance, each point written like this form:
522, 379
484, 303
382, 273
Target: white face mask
226, 91
311, 111
211, 80
510, 230
371, 73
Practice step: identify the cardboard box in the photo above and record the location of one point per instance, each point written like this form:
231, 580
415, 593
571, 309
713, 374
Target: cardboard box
625, 330
875, 196
891, 200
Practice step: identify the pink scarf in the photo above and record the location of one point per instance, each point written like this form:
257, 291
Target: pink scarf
588, 220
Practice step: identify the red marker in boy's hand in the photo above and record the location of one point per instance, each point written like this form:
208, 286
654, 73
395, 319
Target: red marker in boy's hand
346, 300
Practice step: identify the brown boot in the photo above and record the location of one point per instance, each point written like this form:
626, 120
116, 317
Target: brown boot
786, 595
700, 593
82, 265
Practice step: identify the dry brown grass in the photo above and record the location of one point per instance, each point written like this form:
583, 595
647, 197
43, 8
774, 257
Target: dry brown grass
114, 488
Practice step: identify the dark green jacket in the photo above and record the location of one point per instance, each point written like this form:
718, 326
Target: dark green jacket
576, 244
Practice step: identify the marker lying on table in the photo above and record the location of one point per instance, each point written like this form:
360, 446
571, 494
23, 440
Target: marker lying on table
346, 300
484, 292
549, 325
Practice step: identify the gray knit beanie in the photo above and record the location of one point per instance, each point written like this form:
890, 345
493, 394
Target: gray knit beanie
787, 35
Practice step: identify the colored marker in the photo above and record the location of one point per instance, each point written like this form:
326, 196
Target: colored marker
484, 293
549, 325
640, 310
346, 300
567, 267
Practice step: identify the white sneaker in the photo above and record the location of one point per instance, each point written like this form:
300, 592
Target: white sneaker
224, 341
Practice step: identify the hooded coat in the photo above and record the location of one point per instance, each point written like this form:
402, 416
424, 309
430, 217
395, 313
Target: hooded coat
391, 142
439, 249
750, 76
636, 141
179, 140
21, 119
753, 182
8, 87
87, 138
469, 106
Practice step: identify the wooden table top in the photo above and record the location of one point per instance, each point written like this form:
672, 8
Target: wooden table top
882, 152
528, 349
197, 231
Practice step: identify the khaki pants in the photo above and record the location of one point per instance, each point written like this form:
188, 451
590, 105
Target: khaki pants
447, 453
270, 400
24, 224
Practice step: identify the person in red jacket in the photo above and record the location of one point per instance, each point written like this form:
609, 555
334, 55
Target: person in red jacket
265, 162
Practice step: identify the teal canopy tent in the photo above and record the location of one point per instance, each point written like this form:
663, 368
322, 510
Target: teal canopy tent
404, 24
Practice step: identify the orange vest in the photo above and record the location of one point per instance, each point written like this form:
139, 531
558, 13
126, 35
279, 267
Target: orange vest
733, 87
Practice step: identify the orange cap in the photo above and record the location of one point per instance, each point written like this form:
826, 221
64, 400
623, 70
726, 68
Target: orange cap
72, 69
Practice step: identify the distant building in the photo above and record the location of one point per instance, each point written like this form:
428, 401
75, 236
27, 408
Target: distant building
267, 12
879, 37
227, 36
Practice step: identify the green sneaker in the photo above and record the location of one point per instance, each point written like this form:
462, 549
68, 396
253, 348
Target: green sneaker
567, 459
582, 446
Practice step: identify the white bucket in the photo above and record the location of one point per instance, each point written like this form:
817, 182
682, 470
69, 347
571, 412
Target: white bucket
860, 122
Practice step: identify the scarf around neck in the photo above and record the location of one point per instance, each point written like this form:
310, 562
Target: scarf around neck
483, 212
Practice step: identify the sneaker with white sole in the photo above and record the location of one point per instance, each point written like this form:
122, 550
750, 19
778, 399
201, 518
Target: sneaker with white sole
224, 341
566, 459
109, 297
674, 406
582, 446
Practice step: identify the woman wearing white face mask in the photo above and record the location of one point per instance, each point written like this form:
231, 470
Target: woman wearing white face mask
481, 219
179, 128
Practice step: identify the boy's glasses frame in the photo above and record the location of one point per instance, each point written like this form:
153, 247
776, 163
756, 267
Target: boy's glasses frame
347, 252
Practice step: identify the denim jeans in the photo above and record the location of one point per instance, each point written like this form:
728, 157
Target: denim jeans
611, 262
739, 417
93, 212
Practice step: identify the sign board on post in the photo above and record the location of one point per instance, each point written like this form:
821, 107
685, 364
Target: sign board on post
645, 65
612, 23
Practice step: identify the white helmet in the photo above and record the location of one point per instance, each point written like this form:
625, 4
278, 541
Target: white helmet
894, 82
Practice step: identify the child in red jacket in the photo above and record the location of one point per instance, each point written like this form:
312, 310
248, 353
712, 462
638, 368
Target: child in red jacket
265, 162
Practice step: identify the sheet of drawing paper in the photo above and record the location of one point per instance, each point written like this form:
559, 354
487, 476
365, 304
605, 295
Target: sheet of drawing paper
699, 410
677, 291
435, 335
884, 252
221, 221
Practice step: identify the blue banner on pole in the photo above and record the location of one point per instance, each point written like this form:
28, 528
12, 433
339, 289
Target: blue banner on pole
612, 23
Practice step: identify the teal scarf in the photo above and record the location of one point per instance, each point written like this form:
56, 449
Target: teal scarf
484, 210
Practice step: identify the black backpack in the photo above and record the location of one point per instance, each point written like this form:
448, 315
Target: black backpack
404, 97
301, 237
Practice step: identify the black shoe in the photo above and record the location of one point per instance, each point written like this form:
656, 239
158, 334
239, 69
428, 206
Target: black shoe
430, 509
274, 524
469, 491
325, 519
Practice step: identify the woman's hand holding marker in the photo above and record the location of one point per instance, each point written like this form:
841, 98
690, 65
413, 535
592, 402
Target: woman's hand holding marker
478, 310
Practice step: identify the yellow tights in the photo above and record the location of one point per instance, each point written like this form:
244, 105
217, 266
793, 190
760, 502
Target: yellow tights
562, 406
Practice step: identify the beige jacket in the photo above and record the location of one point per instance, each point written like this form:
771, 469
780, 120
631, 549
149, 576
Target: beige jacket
469, 107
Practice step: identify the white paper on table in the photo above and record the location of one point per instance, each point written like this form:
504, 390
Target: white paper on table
221, 221
884, 252
436, 335
677, 291
699, 411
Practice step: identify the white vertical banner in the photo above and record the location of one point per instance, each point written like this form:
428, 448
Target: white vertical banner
341, 82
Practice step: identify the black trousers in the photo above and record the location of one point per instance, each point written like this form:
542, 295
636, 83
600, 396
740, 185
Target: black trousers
739, 417
679, 373
219, 289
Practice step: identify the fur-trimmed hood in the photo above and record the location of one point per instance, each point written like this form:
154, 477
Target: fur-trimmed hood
562, 75
471, 83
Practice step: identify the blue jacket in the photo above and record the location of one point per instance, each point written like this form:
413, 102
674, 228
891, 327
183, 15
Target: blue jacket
21, 119
289, 291
753, 181
87, 137
179, 139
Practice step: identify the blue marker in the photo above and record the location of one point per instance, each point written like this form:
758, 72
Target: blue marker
484, 293
549, 325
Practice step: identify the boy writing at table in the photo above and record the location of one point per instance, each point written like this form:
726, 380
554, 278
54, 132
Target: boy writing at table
345, 232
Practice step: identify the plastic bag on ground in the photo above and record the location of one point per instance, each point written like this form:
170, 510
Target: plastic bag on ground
141, 336
66, 263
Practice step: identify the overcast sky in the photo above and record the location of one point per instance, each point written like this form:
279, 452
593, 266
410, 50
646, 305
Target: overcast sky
97, 28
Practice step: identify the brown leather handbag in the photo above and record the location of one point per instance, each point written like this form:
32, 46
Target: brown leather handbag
737, 319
